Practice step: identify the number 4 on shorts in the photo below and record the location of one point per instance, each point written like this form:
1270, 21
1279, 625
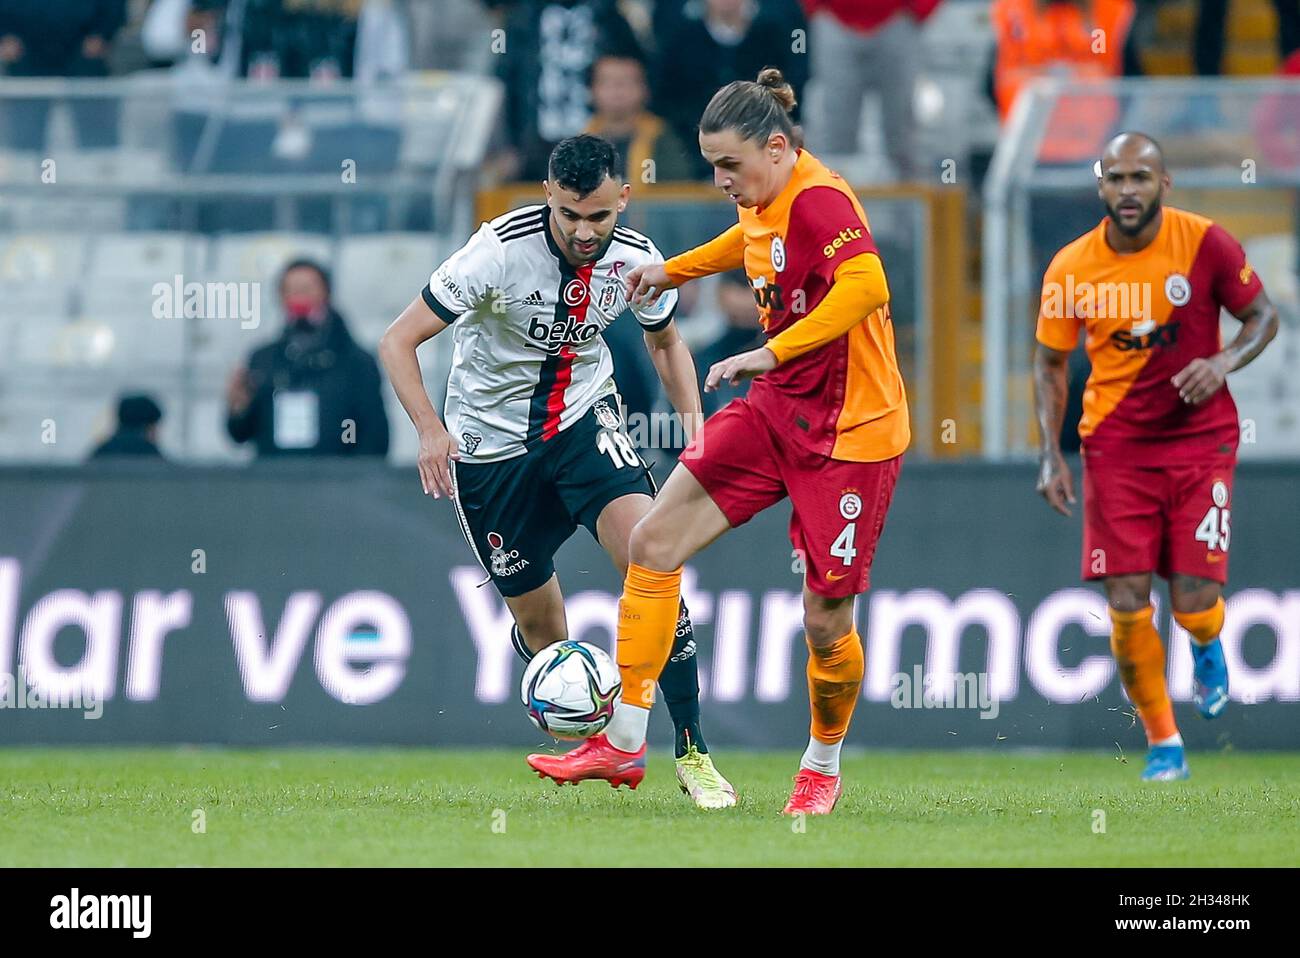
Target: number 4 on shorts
842, 547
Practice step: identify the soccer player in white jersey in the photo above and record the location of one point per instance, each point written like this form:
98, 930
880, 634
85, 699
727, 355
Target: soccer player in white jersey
534, 443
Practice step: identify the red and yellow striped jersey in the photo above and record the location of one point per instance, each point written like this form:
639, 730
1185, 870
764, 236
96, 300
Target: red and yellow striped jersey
1147, 315
823, 302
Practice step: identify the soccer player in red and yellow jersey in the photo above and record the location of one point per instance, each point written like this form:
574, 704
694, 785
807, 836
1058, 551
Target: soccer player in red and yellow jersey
1159, 427
825, 423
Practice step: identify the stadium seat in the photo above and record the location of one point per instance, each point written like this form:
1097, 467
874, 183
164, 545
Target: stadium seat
46, 342
1268, 395
259, 257
119, 165
221, 344
39, 259
145, 257
378, 276
19, 167
75, 424
208, 440
18, 301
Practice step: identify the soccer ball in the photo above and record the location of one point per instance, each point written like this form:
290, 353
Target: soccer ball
570, 688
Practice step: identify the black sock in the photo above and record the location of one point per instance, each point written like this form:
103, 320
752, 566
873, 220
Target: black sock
680, 684
521, 647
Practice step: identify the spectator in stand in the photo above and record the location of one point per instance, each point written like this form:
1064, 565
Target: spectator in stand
551, 46
183, 32
453, 34
733, 40
856, 47
1056, 37
136, 435
1210, 34
741, 333
667, 16
321, 40
313, 391
40, 38
1288, 27
651, 152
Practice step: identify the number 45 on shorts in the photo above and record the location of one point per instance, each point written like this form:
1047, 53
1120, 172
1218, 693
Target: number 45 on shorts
1214, 530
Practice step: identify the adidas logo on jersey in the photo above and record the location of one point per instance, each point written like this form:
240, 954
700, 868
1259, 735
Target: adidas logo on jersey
534, 298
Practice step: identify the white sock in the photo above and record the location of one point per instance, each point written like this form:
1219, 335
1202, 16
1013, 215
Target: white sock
1175, 739
821, 757
626, 732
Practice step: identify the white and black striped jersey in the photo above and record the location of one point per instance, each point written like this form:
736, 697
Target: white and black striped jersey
529, 359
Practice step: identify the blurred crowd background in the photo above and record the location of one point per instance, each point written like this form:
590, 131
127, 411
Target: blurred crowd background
210, 209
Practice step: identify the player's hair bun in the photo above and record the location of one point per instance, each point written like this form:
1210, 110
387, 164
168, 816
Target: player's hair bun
754, 109
774, 81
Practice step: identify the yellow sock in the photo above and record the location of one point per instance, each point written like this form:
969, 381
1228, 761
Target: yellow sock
1204, 626
647, 621
834, 684
1141, 659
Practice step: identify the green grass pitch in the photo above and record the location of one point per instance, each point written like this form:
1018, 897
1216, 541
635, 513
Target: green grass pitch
141, 807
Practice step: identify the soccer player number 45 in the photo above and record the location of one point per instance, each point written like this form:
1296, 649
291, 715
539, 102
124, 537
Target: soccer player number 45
1214, 530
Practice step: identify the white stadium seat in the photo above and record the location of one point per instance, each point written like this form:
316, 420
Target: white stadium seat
259, 257
145, 257
117, 165
209, 441
377, 276
1267, 393
56, 342
222, 344
38, 259
19, 167
21, 300
75, 425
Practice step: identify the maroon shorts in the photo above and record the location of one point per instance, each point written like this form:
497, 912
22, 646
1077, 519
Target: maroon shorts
839, 507
1166, 519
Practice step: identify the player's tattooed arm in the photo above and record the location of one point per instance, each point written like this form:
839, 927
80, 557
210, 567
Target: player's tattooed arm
397, 351
1051, 390
672, 360
1202, 378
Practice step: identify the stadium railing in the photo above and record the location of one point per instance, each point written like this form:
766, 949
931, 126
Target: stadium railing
117, 194
1232, 147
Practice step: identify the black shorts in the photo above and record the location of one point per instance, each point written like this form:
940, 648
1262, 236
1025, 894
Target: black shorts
516, 513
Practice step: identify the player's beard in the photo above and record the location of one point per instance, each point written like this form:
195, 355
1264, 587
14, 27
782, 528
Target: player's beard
1147, 216
595, 255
